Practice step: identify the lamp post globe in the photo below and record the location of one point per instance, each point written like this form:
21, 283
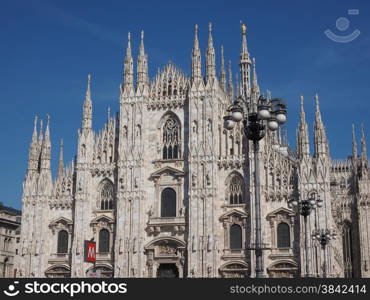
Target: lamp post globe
281, 118
237, 115
229, 123
272, 124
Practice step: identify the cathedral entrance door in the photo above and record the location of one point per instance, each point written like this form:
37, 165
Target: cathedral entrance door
167, 271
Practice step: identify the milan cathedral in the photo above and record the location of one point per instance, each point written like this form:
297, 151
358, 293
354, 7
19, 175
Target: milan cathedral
165, 191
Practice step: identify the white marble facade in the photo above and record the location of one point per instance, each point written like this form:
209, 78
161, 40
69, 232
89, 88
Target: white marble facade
166, 191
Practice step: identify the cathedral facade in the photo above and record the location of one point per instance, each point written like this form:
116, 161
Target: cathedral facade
165, 191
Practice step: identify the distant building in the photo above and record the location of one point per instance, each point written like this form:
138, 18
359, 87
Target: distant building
10, 222
166, 191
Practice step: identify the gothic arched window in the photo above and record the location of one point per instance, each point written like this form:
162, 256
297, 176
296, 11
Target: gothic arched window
106, 196
235, 189
103, 241
283, 235
235, 237
171, 139
168, 203
62, 242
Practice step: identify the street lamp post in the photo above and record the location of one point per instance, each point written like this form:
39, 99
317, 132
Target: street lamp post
324, 237
304, 208
273, 112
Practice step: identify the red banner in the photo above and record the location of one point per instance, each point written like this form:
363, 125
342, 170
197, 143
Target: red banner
90, 251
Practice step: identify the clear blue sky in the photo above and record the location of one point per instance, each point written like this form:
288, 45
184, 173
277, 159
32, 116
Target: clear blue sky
48, 48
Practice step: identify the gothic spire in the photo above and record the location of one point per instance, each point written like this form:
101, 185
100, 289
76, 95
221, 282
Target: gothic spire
210, 57
230, 87
34, 134
61, 163
321, 143
238, 89
46, 147
223, 72
354, 143
87, 108
142, 64
244, 51
196, 65
34, 148
245, 64
128, 68
255, 86
363, 144
255, 81
41, 134
303, 144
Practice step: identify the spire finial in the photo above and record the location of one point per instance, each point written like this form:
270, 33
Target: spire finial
196, 42
302, 101
34, 134
303, 115
128, 70
61, 162
142, 64
244, 54
223, 72
196, 65
238, 92
41, 127
222, 59
87, 107
230, 83
128, 50
254, 72
88, 89
321, 143
35, 123
245, 66
47, 130
363, 143
243, 28
210, 58
142, 43
210, 40
354, 143
303, 146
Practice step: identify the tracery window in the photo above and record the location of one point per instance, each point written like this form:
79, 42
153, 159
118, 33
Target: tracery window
283, 235
62, 246
171, 139
235, 189
106, 196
